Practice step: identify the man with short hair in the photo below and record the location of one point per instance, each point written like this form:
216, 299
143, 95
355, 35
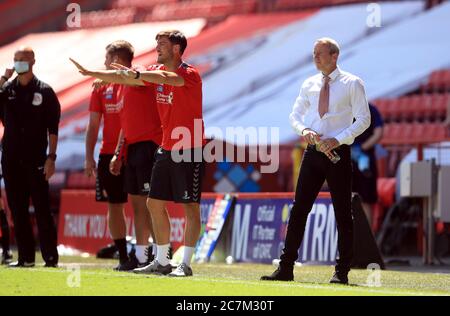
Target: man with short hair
30, 113
138, 140
179, 100
330, 111
105, 104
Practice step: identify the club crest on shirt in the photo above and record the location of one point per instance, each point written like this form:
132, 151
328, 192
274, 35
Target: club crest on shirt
37, 99
109, 93
160, 88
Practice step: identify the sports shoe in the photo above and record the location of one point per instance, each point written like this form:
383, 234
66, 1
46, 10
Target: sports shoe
7, 257
280, 274
154, 268
51, 265
183, 270
131, 264
21, 264
339, 278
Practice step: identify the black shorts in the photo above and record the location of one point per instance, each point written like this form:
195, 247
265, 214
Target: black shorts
138, 169
109, 188
180, 182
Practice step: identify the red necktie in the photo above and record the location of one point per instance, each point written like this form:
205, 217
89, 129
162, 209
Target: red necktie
324, 97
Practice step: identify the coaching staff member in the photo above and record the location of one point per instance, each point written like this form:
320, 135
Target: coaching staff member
30, 112
331, 110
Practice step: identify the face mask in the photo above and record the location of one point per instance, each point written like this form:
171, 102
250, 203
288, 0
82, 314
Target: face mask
21, 67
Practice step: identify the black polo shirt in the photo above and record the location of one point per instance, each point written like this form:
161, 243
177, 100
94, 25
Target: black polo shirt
28, 113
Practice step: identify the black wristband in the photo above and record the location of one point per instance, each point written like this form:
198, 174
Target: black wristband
138, 75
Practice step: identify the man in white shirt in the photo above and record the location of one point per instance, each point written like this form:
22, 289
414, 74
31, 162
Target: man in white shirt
330, 111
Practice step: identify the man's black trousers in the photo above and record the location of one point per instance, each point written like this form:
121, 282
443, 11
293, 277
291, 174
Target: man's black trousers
315, 169
23, 182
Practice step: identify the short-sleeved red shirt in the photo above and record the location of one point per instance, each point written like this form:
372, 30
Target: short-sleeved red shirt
105, 101
180, 110
139, 117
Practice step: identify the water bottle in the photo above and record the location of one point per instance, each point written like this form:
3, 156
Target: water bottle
335, 157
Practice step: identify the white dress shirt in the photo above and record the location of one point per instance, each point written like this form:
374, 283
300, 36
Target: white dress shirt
347, 102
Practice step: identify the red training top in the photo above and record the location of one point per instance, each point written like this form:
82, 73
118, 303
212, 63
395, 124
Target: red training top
104, 100
180, 110
139, 117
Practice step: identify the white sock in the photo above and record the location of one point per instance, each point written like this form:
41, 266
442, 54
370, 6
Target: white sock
140, 253
154, 249
187, 257
161, 254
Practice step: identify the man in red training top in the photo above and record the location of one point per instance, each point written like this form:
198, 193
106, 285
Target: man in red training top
178, 168
140, 135
104, 104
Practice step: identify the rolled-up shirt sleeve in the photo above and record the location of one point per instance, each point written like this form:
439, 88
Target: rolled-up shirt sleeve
360, 113
53, 112
297, 117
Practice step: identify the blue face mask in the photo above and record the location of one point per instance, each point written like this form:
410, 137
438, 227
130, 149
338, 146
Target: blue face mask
21, 67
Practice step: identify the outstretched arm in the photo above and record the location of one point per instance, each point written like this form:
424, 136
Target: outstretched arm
113, 76
154, 76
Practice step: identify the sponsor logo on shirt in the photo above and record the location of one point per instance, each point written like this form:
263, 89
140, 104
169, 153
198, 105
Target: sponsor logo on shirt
112, 108
164, 98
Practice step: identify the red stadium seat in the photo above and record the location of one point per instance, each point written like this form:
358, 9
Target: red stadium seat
141, 4
381, 105
386, 198
414, 133
386, 191
108, 18
438, 81
439, 106
414, 110
203, 8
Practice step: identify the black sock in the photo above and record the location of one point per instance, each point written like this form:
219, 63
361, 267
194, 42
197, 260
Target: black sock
5, 231
121, 245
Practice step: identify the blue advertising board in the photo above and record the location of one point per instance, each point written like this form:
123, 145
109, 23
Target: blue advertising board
259, 228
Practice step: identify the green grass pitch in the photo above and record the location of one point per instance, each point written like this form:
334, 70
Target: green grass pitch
90, 276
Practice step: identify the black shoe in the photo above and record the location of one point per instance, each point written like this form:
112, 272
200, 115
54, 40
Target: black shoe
21, 264
280, 274
131, 264
51, 265
7, 257
339, 278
